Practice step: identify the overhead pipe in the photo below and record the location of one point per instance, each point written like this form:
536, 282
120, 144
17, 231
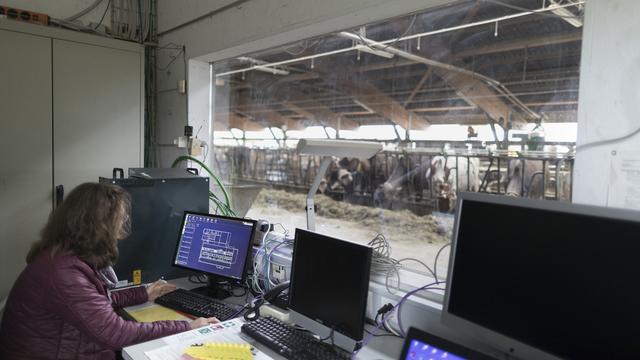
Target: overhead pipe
420, 59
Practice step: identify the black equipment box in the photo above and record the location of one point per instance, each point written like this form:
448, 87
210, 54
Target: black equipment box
159, 198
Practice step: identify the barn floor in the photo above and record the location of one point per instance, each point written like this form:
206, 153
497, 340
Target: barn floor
412, 236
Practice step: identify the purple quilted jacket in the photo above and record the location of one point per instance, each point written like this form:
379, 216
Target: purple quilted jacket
59, 308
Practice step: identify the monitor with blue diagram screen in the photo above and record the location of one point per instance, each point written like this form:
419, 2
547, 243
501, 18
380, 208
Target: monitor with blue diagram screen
215, 245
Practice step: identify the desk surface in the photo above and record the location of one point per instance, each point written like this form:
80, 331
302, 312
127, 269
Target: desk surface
383, 348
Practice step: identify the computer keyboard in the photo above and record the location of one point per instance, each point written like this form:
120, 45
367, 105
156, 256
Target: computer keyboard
197, 305
290, 342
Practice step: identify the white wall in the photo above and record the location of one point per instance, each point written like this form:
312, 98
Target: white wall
609, 94
181, 14
63, 8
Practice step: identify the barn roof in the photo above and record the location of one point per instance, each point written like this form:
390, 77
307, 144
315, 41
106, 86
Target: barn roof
524, 68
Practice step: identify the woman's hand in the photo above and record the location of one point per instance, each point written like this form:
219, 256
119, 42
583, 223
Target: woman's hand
200, 322
159, 288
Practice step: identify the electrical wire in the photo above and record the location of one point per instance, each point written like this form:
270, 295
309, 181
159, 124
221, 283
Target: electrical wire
305, 47
607, 141
83, 11
413, 20
366, 340
399, 311
383, 263
519, 8
435, 262
419, 262
225, 206
173, 59
103, 15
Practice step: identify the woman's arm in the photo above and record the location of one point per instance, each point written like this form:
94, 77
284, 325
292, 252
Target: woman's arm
82, 305
129, 297
141, 294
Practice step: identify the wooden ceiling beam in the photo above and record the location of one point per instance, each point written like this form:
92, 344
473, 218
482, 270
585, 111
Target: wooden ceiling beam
226, 121
419, 86
520, 44
381, 103
316, 111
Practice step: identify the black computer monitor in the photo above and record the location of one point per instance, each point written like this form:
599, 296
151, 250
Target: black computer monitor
218, 246
545, 279
329, 286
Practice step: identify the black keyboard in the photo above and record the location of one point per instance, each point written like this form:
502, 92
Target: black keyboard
197, 305
290, 342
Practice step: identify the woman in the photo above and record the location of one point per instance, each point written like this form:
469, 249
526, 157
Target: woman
60, 307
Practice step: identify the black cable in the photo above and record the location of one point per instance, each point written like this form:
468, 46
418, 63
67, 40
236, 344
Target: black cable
197, 279
186, 88
172, 60
103, 14
608, 141
330, 336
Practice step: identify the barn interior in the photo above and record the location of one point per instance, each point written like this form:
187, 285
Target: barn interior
369, 121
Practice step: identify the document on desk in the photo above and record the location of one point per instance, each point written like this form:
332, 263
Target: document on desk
225, 332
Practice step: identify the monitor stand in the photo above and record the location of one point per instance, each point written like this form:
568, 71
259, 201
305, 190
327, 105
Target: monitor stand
213, 289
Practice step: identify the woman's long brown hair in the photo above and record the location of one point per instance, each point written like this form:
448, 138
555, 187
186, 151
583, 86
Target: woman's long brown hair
88, 224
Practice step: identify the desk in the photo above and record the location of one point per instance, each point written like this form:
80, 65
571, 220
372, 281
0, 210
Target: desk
382, 348
137, 352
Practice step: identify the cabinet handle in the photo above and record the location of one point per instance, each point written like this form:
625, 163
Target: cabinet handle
194, 171
116, 171
59, 194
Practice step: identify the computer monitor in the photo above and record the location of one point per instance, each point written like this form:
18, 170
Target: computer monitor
545, 279
329, 287
218, 246
419, 344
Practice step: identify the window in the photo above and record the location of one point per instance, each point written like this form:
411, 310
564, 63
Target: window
473, 96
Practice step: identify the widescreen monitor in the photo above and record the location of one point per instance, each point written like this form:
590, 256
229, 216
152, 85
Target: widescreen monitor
329, 286
218, 246
545, 279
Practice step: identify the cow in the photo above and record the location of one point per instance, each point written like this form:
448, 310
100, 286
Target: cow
405, 174
525, 178
337, 177
450, 174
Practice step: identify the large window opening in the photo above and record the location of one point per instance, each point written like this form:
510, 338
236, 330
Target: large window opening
474, 96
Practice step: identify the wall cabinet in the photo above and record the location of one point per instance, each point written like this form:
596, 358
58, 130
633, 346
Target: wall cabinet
71, 109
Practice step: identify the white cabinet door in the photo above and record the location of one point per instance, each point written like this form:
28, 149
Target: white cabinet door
25, 148
97, 111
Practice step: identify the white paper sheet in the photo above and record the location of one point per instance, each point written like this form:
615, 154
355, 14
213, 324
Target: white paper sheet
624, 181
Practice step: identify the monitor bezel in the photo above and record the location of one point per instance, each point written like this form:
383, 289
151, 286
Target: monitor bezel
341, 337
503, 342
245, 268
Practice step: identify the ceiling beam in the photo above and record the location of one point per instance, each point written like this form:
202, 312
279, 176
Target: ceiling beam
226, 121
564, 116
419, 86
520, 44
316, 111
381, 103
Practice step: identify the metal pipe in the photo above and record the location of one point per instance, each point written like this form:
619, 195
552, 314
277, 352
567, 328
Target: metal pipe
409, 37
496, 85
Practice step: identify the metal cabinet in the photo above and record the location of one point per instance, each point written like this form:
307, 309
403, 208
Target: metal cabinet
25, 148
71, 108
97, 107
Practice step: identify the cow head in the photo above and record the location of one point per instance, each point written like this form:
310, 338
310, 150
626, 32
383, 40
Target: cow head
438, 173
